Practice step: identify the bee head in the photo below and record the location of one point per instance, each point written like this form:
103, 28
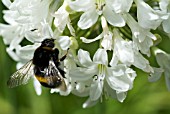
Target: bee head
48, 43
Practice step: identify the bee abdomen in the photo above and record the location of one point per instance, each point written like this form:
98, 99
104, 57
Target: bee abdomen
50, 82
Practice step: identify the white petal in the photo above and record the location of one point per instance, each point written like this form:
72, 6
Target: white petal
166, 24
120, 6
81, 5
85, 40
89, 103
96, 90
9, 32
114, 60
167, 79
113, 18
116, 71
163, 60
156, 75
10, 16
37, 87
15, 42
139, 61
46, 30
19, 65
100, 57
109, 91
26, 52
148, 20
34, 36
69, 63
7, 3
64, 42
12, 54
88, 19
141, 36
41, 10
61, 18
163, 5
124, 51
80, 87
120, 84
121, 96
23, 19
145, 45
70, 27
84, 93
84, 58
107, 41
60, 23
83, 74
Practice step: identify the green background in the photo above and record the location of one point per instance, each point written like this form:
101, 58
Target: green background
144, 98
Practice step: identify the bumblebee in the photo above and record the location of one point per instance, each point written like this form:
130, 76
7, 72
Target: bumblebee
45, 64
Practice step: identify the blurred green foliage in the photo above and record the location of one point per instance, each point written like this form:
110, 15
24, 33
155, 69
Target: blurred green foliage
144, 98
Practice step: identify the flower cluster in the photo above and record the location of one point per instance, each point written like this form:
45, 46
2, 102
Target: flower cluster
106, 40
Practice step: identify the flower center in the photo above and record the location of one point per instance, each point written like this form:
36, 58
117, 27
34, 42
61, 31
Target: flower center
101, 74
102, 71
100, 6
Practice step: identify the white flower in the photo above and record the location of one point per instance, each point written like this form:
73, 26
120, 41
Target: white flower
63, 42
23, 22
142, 38
26, 12
164, 6
62, 19
151, 19
163, 60
23, 14
96, 74
156, 75
125, 52
37, 86
93, 8
106, 42
40, 32
15, 48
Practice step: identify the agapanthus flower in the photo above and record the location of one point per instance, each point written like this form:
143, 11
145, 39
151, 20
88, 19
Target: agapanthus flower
110, 9
22, 18
152, 18
163, 60
23, 22
125, 52
96, 73
62, 19
164, 6
142, 38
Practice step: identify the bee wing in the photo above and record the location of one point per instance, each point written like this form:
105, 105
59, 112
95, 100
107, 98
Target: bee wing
21, 76
53, 75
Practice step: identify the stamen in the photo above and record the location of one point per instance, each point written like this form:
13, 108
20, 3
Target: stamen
100, 6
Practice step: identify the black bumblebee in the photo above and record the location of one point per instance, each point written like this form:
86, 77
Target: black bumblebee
45, 64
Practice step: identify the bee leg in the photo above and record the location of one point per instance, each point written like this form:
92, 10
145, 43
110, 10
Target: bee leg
56, 53
61, 72
62, 58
